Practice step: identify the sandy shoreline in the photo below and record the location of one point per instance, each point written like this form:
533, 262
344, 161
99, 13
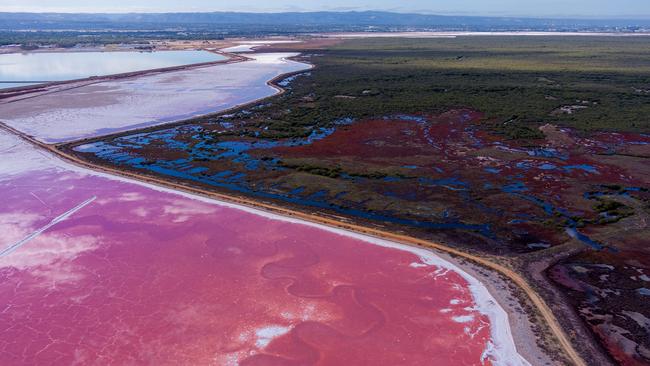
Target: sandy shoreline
521, 326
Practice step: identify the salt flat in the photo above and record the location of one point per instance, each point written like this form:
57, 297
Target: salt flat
124, 104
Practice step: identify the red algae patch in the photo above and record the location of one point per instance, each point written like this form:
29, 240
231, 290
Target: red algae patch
105, 271
396, 137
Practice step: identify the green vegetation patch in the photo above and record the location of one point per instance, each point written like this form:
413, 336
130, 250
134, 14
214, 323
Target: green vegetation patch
589, 83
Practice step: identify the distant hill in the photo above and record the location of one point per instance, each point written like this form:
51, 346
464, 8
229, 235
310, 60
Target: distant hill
308, 21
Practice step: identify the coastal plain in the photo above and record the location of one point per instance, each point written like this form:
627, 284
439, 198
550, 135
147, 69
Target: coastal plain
530, 151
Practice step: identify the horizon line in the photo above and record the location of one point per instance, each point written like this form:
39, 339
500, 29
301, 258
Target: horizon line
644, 17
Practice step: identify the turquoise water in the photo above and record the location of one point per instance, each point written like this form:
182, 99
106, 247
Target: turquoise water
32, 68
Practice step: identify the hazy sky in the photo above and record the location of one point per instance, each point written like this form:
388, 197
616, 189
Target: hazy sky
581, 8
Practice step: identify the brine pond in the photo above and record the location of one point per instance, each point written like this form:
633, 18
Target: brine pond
21, 69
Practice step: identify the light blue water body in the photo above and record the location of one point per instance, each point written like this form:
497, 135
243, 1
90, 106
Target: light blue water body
20, 69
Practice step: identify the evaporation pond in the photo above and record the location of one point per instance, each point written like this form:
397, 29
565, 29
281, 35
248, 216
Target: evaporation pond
18, 69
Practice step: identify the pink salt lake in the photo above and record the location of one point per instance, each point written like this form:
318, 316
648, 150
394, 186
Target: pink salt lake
96, 270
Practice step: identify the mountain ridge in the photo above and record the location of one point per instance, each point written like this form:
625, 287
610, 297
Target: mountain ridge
369, 19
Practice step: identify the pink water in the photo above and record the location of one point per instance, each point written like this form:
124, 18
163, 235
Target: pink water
140, 276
